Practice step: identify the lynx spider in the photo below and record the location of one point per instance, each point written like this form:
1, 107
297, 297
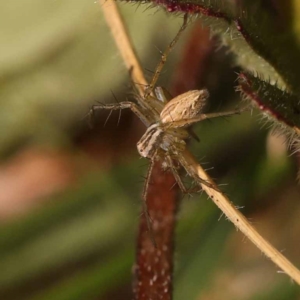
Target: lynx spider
166, 121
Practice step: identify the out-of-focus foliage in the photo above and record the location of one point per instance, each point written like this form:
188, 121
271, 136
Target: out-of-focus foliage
56, 59
78, 242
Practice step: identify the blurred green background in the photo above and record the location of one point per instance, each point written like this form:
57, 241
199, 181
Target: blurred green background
70, 195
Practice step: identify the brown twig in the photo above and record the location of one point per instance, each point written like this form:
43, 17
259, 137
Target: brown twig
154, 265
190, 163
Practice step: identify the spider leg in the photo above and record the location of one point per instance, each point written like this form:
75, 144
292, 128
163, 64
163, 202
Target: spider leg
193, 134
190, 171
164, 56
107, 118
178, 179
176, 174
201, 117
145, 207
140, 113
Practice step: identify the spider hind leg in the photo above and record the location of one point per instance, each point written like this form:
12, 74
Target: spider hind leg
177, 177
145, 205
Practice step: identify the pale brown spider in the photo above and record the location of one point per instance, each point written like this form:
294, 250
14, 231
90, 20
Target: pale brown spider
166, 121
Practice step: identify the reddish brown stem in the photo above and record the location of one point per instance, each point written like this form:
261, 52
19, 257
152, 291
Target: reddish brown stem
154, 266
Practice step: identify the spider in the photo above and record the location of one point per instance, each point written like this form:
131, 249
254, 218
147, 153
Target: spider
167, 121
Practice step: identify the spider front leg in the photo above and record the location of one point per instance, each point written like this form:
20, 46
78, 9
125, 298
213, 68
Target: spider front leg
164, 56
140, 113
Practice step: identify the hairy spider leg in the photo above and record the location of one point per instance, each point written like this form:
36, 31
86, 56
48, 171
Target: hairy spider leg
190, 171
164, 56
178, 179
146, 187
140, 113
145, 206
176, 174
